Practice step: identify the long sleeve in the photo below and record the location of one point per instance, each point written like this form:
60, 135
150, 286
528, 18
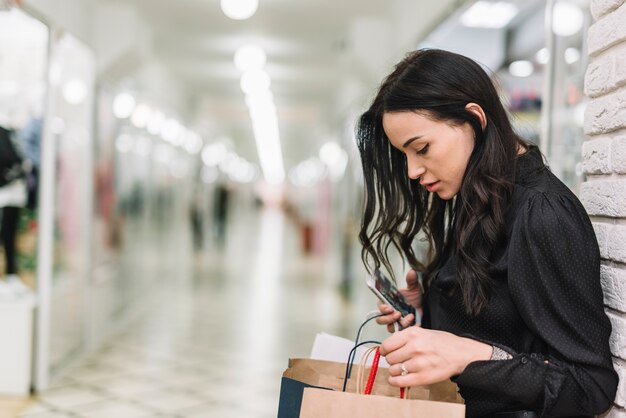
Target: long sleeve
554, 282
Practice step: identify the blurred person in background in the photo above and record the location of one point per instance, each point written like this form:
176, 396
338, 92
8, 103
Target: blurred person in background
220, 213
13, 197
509, 293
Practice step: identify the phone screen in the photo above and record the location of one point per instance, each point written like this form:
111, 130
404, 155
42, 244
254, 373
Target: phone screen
388, 293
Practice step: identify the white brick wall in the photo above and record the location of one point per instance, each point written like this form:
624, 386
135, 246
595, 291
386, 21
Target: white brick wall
601, 7
607, 72
620, 367
608, 31
604, 162
606, 113
604, 197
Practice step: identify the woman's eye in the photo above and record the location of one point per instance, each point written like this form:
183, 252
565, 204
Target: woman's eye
423, 150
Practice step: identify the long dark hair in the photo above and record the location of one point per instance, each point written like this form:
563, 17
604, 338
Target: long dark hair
440, 84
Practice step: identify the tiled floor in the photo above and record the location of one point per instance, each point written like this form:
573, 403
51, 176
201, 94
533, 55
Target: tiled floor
214, 340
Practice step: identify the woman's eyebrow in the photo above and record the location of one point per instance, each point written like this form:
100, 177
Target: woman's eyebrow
408, 142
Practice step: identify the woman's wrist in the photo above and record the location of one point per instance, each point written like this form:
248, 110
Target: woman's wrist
472, 351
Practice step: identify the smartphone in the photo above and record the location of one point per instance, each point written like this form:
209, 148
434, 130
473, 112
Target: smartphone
387, 292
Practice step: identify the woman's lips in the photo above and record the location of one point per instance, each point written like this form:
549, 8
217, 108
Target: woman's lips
432, 187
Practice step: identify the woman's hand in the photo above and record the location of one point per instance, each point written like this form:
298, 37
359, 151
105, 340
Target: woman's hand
419, 356
413, 295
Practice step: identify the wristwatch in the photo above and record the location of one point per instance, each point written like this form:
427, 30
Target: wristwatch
500, 354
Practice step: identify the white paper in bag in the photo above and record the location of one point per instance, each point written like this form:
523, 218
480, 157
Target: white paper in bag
332, 348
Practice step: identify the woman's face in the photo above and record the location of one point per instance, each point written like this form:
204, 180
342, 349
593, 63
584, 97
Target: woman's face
436, 152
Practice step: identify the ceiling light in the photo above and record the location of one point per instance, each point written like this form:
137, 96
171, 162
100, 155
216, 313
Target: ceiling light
140, 115
256, 85
335, 158
250, 57
123, 105
171, 130
239, 9
181, 137
330, 153
254, 82
572, 55
155, 122
567, 18
543, 56
241, 171
213, 154
486, 14
75, 92
193, 143
307, 173
521, 68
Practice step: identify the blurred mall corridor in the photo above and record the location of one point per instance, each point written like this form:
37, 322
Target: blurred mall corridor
213, 336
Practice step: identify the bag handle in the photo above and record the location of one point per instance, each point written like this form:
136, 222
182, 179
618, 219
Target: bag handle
373, 371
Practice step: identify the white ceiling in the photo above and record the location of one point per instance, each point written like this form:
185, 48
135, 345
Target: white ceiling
324, 56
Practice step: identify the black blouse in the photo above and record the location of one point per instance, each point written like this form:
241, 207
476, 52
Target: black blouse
547, 306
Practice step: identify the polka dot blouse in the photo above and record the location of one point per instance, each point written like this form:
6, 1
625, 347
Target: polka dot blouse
547, 309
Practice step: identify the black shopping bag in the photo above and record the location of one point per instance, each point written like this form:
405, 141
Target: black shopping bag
290, 399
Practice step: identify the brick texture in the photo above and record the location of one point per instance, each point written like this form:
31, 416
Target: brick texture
604, 161
601, 7
618, 154
602, 234
604, 197
616, 246
606, 73
607, 113
618, 336
614, 286
609, 30
620, 368
597, 156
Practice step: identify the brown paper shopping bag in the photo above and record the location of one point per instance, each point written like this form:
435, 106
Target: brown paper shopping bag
318, 403
329, 374
321, 403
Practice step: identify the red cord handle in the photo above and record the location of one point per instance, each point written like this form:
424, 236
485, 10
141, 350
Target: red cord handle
373, 371
372, 375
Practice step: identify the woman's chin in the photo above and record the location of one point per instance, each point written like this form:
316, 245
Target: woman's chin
445, 194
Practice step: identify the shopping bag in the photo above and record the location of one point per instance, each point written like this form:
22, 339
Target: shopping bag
291, 397
317, 403
330, 375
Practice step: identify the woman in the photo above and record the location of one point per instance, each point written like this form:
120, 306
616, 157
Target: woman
512, 304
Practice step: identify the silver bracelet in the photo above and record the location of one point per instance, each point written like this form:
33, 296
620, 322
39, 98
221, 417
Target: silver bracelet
500, 354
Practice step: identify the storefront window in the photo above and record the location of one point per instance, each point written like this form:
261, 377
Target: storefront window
70, 114
563, 115
23, 60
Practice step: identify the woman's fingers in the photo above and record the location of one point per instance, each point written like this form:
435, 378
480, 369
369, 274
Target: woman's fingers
389, 315
407, 321
393, 347
411, 279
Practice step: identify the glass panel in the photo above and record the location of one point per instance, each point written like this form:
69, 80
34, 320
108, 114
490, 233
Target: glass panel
565, 113
72, 72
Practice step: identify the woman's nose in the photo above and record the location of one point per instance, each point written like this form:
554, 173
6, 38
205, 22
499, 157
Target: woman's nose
415, 171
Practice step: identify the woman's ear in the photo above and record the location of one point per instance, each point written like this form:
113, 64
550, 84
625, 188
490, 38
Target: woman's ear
478, 112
